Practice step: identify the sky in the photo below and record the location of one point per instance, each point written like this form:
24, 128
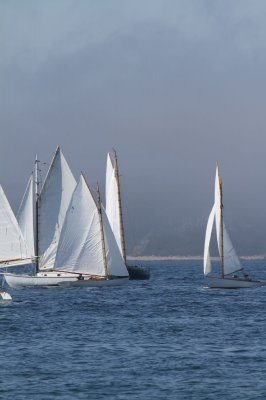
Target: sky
172, 85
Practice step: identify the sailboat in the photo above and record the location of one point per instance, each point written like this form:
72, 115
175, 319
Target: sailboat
40, 217
114, 213
232, 274
74, 244
87, 245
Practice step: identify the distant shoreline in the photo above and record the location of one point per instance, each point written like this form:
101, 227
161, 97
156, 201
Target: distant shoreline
167, 258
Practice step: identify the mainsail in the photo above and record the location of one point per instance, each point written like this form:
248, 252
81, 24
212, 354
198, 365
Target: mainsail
80, 245
53, 202
25, 216
112, 202
79, 248
218, 206
13, 248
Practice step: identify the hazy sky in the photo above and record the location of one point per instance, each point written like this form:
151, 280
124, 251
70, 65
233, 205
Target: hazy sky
172, 85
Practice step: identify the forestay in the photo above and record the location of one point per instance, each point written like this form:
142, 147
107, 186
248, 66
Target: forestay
112, 202
53, 203
25, 216
207, 260
13, 246
80, 246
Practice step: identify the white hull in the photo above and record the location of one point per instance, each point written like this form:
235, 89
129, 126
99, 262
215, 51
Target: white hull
40, 280
232, 283
54, 279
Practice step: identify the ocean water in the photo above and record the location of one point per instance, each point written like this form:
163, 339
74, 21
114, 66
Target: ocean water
166, 338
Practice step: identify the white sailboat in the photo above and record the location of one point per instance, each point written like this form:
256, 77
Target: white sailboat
87, 245
41, 217
232, 274
74, 244
113, 206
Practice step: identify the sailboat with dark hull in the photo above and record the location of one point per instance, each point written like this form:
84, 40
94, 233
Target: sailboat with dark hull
232, 274
115, 215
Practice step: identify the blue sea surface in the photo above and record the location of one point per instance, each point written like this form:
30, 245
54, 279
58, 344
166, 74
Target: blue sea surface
167, 338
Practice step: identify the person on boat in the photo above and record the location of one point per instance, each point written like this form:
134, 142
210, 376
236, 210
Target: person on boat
80, 277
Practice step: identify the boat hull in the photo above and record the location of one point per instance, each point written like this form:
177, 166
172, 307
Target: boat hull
28, 281
53, 279
232, 283
138, 273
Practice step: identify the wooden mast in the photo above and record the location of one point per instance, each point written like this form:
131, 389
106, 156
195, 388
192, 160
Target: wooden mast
222, 225
36, 216
102, 232
122, 231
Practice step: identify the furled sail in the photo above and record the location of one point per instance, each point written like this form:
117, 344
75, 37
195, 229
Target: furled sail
53, 201
112, 202
80, 245
25, 216
13, 247
231, 260
207, 260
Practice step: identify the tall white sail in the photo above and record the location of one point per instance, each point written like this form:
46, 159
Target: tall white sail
231, 260
112, 202
25, 216
53, 201
217, 203
115, 262
207, 260
13, 247
80, 245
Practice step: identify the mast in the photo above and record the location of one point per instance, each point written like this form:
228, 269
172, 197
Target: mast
122, 231
101, 229
36, 215
222, 226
